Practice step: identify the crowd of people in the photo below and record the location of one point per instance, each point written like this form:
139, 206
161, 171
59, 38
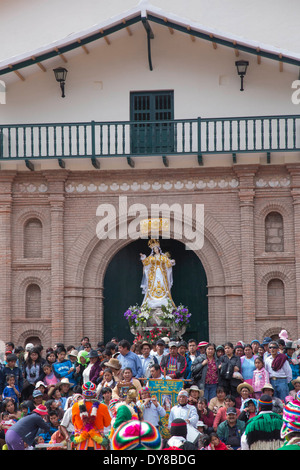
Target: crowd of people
81, 397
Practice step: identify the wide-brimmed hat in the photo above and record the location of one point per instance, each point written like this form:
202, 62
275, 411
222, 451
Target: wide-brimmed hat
39, 383
290, 345
297, 380
268, 386
145, 343
244, 385
202, 344
194, 387
92, 353
41, 410
73, 353
113, 363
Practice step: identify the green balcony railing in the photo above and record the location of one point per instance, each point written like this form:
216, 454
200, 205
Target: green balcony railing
173, 137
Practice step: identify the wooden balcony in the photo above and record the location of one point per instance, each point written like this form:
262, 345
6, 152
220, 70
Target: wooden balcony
201, 136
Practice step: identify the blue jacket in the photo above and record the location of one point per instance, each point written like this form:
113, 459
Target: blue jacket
61, 370
133, 361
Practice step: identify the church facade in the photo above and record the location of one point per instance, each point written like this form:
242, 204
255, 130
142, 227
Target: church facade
154, 112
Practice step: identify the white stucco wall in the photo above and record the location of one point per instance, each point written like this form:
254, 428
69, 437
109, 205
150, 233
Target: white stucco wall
25, 26
98, 85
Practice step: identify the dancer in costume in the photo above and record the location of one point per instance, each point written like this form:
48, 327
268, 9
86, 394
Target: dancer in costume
263, 430
89, 418
290, 430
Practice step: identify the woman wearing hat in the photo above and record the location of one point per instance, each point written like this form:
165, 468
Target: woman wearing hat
25, 430
114, 365
296, 384
93, 373
194, 394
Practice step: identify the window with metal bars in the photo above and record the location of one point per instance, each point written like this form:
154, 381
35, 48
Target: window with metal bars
151, 132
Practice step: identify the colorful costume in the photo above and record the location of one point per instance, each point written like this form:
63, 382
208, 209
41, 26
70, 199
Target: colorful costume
137, 435
89, 418
290, 430
263, 431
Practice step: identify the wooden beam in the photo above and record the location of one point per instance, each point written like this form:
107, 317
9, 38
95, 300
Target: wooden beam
236, 51
170, 29
280, 64
17, 73
258, 56
200, 160
83, 47
61, 55
214, 44
95, 163
29, 165
130, 162
165, 161
192, 37
105, 37
39, 64
127, 28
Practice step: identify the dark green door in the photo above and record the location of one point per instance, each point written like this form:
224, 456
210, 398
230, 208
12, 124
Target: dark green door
122, 288
152, 134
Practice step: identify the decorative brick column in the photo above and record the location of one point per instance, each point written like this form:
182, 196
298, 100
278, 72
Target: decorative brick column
294, 171
246, 194
56, 183
6, 181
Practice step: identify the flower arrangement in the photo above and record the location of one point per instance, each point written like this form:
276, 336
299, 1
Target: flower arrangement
140, 316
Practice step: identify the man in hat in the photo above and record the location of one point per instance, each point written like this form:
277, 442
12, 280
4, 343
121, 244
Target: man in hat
178, 439
263, 430
89, 418
147, 359
183, 410
202, 346
267, 389
231, 430
173, 365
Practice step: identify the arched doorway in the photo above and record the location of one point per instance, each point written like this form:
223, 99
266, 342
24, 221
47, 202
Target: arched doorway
122, 288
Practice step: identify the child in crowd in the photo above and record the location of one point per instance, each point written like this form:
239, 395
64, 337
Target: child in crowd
11, 390
260, 377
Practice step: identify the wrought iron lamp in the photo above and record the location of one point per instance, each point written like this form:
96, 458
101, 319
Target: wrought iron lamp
60, 76
241, 66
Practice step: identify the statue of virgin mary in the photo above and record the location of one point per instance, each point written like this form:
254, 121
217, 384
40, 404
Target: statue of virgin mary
157, 276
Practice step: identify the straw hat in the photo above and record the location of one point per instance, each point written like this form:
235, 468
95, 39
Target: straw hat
113, 363
244, 385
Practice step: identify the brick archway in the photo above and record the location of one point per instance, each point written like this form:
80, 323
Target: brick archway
89, 258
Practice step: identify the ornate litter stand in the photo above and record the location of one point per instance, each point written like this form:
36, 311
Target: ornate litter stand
166, 321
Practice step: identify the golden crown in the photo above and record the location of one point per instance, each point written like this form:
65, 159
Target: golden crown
153, 242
